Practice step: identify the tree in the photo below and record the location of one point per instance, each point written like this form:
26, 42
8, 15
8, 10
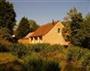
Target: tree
33, 25
66, 30
84, 32
25, 26
7, 15
5, 38
79, 28
75, 22
5, 34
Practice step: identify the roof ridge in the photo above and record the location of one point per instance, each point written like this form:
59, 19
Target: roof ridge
44, 29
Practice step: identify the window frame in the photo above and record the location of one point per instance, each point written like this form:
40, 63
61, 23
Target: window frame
59, 30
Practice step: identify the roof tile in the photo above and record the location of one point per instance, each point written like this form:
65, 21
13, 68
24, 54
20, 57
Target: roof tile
44, 29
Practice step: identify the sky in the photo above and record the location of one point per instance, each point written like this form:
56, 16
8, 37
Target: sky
43, 11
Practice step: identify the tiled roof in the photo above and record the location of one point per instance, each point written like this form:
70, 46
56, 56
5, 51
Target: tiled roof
44, 29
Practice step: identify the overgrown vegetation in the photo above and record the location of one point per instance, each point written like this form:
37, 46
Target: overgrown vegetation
7, 15
27, 26
77, 28
43, 57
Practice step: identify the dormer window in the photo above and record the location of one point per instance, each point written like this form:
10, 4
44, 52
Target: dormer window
35, 38
40, 37
31, 38
58, 30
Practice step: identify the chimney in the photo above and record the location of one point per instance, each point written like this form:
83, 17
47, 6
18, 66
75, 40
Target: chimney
53, 22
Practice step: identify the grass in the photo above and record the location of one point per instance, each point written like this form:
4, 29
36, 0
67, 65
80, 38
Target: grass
7, 57
76, 58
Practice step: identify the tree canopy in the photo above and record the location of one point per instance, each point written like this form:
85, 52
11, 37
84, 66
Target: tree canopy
78, 28
25, 26
84, 32
7, 15
75, 20
33, 25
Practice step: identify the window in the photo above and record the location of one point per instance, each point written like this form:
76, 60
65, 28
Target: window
40, 37
35, 38
58, 30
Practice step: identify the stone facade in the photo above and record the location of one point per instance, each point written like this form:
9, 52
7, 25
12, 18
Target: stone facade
53, 36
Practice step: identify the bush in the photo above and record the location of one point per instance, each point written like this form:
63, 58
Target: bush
3, 48
74, 53
37, 57
19, 50
51, 66
38, 47
78, 59
34, 65
4, 45
12, 66
45, 48
42, 65
85, 61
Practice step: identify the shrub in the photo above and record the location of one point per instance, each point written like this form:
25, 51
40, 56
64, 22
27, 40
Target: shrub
12, 66
19, 50
34, 65
78, 59
74, 53
51, 66
3, 48
85, 61
42, 65
45, 48
4, 45
38, 47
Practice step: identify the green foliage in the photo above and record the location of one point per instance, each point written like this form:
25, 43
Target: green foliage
77, 59
7, 15
71, 67
3, 48
23, 28
43, 51
45, 57
86, 26
5, 34
84, 32
4, 45
33, 25
19, 50
74, 53
42, 65
51, 66
12, 66
5, 38
76, 20
66, 31
85, 61
78, 28
39, 47
34, 65
33, 60
2, 68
